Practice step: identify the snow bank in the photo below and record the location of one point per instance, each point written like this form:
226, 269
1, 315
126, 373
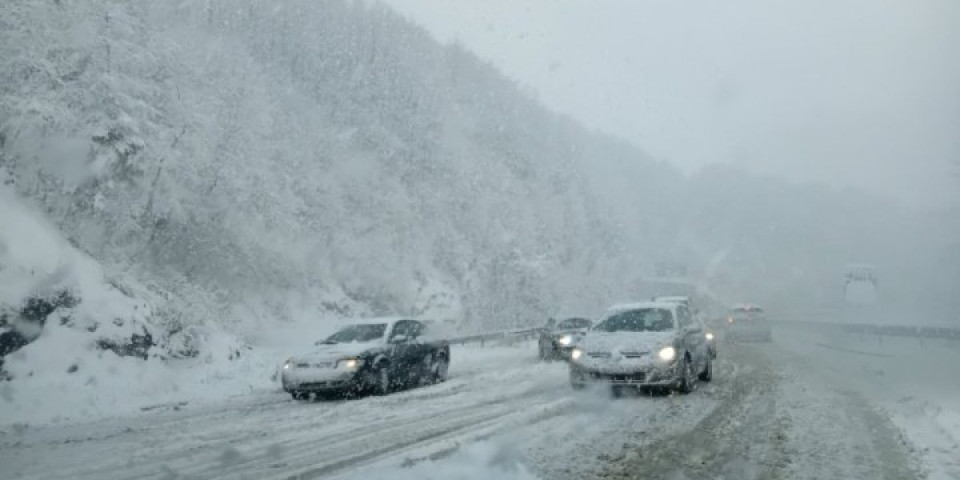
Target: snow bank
911, 378
61, 379
69, 371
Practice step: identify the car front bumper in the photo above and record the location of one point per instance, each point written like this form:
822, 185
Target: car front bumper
562, 352
323, 380
650, 375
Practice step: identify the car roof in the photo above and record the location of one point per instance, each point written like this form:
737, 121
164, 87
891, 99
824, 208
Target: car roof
639, 305
377, 320
672, 299
577, 319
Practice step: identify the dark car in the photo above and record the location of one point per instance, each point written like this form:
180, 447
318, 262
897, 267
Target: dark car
376, 356
558, 340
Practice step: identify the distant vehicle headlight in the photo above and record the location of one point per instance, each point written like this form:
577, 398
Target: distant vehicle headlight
287, 365
349, 363
576, 354
709, 335
667, 354
565, 340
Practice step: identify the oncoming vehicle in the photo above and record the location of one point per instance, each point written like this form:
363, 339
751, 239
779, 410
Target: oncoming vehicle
643, 345
748, 322
375, 356
557, 341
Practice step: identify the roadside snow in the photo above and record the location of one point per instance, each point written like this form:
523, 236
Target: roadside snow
63, 375
105, 385
268, 435
911, 379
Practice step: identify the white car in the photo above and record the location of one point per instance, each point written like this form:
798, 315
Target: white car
643, 345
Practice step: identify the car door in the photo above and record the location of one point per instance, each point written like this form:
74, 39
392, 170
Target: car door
404, 351
420, 348
693, 337
399, 341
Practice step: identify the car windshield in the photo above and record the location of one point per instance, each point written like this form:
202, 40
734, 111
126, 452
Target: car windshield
638, 320
574, 323
677, 300
358, 333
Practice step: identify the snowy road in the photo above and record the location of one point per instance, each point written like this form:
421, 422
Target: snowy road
774, 411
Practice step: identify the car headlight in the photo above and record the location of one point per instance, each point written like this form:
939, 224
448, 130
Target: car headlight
576, 354
287, 365
709, 336
349, 363
667, 354
565, 340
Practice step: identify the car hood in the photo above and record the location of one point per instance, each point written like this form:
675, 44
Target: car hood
336, 351
571, 331
626, 341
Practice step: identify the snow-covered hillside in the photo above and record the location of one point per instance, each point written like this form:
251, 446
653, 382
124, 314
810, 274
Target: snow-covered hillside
224, 173
326, 155
97, 345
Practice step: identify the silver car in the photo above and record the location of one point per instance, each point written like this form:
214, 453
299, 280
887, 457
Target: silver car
643, 345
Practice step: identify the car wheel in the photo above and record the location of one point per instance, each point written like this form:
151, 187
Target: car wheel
617, 391
442, 367
382, 386
426, 374
546, 354
577, 380
299, 395
707, 374
686, 376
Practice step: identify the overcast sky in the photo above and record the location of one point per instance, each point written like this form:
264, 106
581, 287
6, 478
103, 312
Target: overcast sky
852, 93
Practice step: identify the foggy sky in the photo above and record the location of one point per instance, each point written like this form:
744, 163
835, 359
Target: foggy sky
850, 93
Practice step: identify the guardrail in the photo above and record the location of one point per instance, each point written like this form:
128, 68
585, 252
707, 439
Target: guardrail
905, 331
482, 338
915, 331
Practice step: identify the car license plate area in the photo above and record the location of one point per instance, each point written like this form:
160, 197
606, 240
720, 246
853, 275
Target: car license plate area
315, 365
323, 384
624, 378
